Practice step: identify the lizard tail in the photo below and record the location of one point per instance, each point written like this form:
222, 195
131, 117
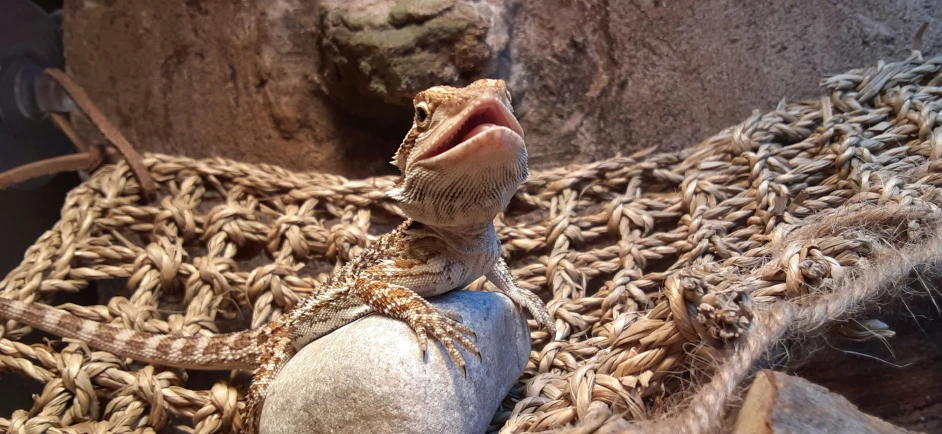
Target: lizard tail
218, 352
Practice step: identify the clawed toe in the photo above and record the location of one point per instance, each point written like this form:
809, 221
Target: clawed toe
532, 303
443, 326
450, 314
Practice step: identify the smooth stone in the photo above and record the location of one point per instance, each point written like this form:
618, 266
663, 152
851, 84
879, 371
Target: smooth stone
369, 376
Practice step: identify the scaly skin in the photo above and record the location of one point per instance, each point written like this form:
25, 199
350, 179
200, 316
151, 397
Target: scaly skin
461, 162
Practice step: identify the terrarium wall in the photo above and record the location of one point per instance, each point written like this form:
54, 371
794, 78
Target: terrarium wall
327, 85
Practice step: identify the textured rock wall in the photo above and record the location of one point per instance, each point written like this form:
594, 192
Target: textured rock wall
327, 85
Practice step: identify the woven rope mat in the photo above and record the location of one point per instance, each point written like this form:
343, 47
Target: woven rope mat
229, 245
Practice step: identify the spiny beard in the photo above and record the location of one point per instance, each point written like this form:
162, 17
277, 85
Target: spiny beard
460, 196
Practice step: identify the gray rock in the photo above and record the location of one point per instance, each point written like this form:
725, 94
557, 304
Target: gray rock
377, 54
369, 376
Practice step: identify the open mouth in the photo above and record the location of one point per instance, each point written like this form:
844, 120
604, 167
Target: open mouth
487, 116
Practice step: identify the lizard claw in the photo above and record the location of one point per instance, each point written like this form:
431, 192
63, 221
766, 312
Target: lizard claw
423, 338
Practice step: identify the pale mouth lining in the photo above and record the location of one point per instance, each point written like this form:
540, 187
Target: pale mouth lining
486, 117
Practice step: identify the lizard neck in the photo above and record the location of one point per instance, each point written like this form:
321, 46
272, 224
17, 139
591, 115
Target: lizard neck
466, 239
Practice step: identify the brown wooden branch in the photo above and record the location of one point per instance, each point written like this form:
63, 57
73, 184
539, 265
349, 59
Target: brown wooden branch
781, 403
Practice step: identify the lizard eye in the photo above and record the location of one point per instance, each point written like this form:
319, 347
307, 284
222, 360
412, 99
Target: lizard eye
421, 112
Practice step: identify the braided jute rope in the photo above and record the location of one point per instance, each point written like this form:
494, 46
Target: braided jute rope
669, 275
893, 271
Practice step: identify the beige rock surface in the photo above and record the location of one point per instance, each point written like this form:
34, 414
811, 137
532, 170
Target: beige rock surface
369, 376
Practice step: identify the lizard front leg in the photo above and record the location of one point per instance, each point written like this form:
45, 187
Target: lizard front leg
402, 303
277, 349
500, 276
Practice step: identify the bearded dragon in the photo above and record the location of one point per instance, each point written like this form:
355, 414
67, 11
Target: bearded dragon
461, 162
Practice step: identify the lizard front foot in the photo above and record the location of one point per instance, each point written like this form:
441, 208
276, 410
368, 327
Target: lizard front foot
532, 303
504, 281
424, 319
444, 326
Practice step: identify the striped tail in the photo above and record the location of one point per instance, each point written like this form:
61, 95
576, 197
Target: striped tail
219, 352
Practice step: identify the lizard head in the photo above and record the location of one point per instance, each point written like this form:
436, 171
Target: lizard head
464, 157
